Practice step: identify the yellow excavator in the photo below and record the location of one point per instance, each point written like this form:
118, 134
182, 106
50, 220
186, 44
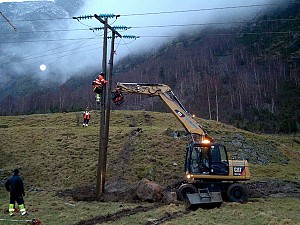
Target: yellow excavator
210, 176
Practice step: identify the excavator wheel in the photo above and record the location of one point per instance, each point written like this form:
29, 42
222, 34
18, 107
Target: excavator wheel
185, 189
237, 193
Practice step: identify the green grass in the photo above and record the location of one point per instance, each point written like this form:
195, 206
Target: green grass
52, 210
55, 153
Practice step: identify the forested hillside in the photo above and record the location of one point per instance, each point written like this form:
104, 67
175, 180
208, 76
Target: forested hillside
247, 76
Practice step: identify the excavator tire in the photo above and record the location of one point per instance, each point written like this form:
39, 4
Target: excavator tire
185, 189
237, 192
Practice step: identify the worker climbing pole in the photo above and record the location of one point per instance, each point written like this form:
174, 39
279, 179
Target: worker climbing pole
98, 84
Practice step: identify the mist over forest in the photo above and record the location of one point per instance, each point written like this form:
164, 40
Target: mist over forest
226, 60
46, 32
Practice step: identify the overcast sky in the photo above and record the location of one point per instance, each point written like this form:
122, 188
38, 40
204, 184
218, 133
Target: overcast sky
141, 23
143, 16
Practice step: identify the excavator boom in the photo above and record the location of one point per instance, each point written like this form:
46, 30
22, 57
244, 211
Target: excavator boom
165, 93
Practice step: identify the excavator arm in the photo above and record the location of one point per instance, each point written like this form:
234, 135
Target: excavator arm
165, 93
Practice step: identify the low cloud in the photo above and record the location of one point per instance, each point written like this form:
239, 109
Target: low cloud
79, 49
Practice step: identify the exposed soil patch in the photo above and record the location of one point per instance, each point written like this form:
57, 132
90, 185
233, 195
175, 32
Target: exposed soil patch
257, 189
274, 188
88, 193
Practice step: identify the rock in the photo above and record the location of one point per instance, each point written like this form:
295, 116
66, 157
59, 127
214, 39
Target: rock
176, 133
169, 197
148, 191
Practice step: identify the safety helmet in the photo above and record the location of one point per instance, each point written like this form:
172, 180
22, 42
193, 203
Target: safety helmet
16, 171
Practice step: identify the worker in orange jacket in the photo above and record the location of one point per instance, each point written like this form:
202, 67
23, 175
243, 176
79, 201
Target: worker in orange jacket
86, 117
98, 84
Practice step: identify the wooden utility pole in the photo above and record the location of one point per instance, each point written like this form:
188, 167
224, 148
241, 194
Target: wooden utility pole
104, 110
109, 86
101, 172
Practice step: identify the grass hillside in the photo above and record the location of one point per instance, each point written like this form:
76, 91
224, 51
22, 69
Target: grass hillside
56, 153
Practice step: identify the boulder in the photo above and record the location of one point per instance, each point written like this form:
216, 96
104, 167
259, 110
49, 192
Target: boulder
148, 190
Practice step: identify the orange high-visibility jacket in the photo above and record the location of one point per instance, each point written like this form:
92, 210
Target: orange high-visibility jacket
87, 115
100, 80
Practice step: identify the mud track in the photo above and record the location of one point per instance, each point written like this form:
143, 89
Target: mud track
118, 215
167, 217
128, 212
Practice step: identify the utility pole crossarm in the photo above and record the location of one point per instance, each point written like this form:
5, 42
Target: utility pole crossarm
110, 27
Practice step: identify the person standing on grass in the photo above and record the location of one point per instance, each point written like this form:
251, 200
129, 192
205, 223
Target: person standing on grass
86, 117
15, 187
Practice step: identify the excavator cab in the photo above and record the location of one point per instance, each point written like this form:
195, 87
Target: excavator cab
207, 159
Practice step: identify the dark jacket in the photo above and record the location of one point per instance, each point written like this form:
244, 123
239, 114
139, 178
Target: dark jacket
15, 185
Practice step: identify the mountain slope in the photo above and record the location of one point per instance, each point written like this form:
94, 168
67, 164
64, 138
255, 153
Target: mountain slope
60, 142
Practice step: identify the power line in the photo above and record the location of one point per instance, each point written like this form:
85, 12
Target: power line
33, 56
30, 20
45, 31
127, 47
47, 55
224, 34
214, 23
154, 36
60, 47
164, 26
57, 58
47, 40
68, 53
175, 11
8, 21
210, 9
126, 44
